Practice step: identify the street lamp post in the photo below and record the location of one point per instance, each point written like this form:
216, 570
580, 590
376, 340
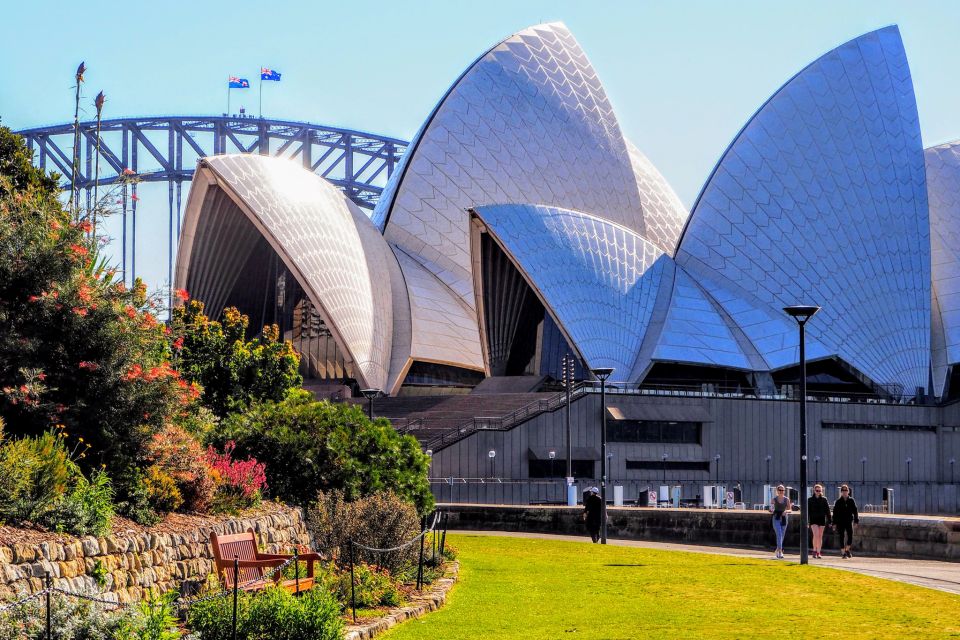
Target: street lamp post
602, 374
803, 313
909, 462
552, 455
863, 471
769, 457
816, 463
952, 461
663, 460
716, 460
370, 394
568, 370
492, 455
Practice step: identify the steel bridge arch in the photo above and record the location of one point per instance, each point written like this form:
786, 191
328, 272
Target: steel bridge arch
166, 148
153, 148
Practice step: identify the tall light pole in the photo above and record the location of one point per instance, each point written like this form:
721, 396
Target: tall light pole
716, 460
602, 374
552, 455
568, 369
952, 462
769, 457
803, 313
370, 394
863, 472
909, 462
816, 463
663, 462
492, 454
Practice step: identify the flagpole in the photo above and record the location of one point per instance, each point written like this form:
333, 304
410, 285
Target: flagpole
228, 98
261, 94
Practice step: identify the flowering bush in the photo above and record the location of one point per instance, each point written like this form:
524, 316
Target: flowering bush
178, 455
239, 482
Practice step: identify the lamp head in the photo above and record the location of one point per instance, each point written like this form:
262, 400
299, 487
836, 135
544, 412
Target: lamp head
429, 453
370, 393
552, 454
491, 454
769, 457
816, 458
664, 456
602, 373
801, 312
909, 460
863, 459
716, 457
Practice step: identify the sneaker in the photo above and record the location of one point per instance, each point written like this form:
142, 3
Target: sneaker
849, 554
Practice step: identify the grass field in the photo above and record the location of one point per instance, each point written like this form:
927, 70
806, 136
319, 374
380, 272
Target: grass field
548, 589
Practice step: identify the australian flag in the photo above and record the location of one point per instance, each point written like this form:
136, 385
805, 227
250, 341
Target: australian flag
238, 83
269, 74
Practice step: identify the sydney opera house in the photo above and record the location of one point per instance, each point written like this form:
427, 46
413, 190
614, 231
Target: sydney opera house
522, 227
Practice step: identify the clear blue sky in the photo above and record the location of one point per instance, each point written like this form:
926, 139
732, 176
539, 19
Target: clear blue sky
683, 76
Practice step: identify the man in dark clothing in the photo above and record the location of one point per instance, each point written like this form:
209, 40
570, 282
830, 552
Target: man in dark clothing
591, 513
845, 515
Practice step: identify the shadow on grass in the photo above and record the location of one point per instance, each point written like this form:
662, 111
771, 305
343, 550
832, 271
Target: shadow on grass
625, 565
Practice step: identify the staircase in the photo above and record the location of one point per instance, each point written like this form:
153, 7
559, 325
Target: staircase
439, 421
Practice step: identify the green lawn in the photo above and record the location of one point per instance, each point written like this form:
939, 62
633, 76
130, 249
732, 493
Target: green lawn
526, 588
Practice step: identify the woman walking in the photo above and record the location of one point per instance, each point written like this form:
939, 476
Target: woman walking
591, 512
845, 515
780, 506
819, 510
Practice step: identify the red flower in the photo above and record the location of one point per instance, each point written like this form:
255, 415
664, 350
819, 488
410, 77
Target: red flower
55, 225
33, 298
131, 312
178, 343
181, 294
80, 311
79, 250
24, 389
85, 226
135, 372
90, 366
41, 376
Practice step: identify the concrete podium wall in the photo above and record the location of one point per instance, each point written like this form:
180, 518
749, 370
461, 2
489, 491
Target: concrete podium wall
916, 537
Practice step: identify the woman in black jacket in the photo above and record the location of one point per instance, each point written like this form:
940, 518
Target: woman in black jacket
819, 510
844, 516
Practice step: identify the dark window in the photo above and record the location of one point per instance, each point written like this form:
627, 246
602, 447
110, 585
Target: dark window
669, 465
558, 468
654, 431
879, 427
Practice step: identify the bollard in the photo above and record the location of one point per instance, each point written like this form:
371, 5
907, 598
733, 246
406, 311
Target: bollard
236, 585
423, 535
296, 570
353, 596
48, 585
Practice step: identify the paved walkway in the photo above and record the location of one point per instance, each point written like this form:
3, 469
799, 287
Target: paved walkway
943, 576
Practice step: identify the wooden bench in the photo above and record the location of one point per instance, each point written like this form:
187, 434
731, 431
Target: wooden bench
254, 565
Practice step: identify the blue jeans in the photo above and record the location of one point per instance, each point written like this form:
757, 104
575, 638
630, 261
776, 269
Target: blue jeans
781, 530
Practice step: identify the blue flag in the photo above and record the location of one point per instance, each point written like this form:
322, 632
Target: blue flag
269, 74
238, 83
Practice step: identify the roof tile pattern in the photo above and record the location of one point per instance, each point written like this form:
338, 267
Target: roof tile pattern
821, 199
329, 244
597, 278
663, 213
943, 187
528, 122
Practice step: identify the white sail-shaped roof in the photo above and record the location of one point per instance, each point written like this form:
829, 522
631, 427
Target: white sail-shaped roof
821, 199
663, 213
598, 279
943, 186
330, 246
528, 122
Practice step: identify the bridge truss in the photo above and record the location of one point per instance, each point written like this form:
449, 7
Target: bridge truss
166, 149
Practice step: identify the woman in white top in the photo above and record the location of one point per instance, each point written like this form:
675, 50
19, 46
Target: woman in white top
780, 506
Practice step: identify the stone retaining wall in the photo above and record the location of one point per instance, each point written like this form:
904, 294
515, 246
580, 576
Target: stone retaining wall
134, 562
935, 538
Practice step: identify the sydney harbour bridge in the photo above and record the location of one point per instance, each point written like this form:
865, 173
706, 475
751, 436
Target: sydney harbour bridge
165, 149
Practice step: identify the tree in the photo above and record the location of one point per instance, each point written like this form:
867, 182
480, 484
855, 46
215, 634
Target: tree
77, 348
309, 446
234, 372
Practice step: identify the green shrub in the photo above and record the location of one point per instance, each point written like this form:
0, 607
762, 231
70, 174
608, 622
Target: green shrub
373, 587
86, 510
155, 619
40, 483
309, 446
71, 619
382, 520
272, 614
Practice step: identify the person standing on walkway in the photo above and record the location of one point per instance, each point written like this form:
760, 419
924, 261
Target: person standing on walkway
780, 506
819, 510
591, 513
845, 515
